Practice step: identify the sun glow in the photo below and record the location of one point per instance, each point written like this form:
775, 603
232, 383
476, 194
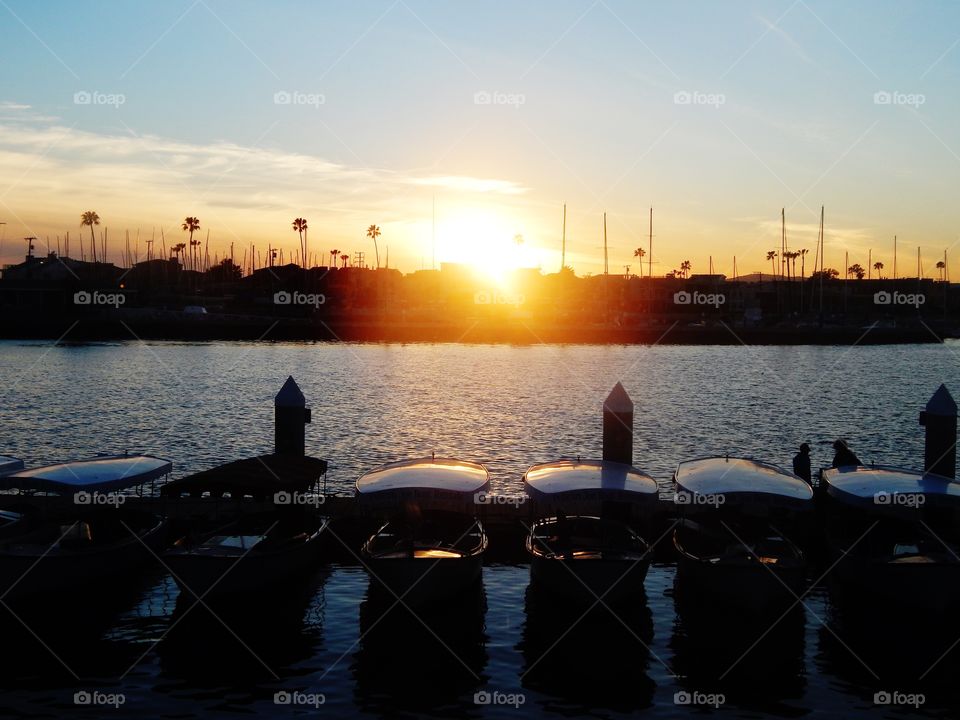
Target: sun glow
489, 243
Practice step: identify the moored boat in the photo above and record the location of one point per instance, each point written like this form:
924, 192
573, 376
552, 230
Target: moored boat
258, 551
84, 540
10, 465
893, 535
581, 547
732, 539
432, 545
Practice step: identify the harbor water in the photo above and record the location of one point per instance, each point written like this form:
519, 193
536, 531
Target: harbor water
499, 651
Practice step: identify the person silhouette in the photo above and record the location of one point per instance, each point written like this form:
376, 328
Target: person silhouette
801, 463
843, 455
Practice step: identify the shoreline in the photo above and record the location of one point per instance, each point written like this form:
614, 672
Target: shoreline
266, 329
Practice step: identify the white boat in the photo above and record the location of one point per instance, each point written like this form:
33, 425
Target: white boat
580, 548
432, 546
9, 465
893, 534
731, 540
89, 538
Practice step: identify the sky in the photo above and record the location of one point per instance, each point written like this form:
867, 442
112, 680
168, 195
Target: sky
248, 115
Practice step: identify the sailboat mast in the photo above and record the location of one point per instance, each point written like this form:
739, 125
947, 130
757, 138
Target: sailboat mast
563, 242
650, 248
606, 264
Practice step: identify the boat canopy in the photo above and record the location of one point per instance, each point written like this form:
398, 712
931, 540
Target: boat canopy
257, 477
566, 476
455, 476
889, 486
741, 480
9, 465
101, 474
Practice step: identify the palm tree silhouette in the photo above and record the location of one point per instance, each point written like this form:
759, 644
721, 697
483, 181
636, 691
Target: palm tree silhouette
344, 257
90, 218
178, 249
639, 253
300, 225
333, 257
685, 268
190, 225
942, 266
857, 271
772, 257
803, 263
878, 266
373, 232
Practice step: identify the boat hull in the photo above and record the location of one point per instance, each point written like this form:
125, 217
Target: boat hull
218, 575
932, 586
25, 575
423, 581
587, 580
747, 585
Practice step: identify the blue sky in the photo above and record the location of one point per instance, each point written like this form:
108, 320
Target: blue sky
587, 106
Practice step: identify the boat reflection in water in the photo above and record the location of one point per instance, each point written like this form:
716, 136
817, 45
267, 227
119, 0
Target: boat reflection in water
420, 662
590, 661
50, 638
753, 658
235, 651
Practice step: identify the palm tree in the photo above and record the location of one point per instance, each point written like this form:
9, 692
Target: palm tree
90, 218
878, 266
857, 271
685, 267
639, 253
178, 249
300, 225
333, 257
803, 263
772, 257
942, 266
373, 232
190, 225
344, 257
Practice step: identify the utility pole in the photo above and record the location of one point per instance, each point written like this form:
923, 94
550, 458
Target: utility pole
650, 248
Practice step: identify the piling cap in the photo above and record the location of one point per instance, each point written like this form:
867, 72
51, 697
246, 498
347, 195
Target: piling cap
290, 395
942, 403
618, 401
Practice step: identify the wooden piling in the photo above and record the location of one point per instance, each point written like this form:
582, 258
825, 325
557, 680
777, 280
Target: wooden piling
940, 420
291, 416
618, 426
